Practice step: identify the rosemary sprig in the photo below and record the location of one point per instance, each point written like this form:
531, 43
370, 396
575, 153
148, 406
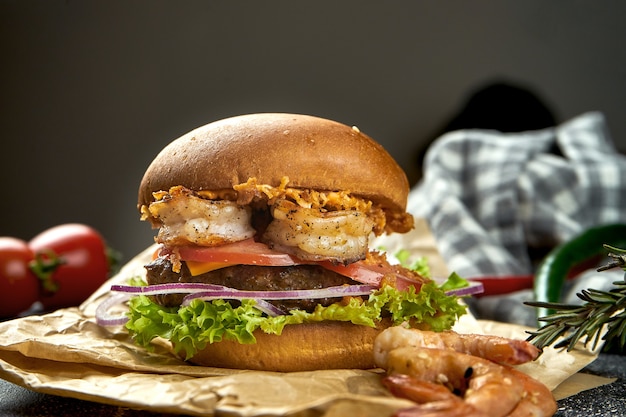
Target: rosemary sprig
585, 322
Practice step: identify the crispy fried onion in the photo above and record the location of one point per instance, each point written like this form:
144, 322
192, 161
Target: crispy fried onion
306, 198
323, 201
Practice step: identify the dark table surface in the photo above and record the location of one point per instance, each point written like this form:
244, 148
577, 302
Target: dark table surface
607, 400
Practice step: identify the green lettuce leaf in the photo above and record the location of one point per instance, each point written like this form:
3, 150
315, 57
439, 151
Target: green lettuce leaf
190, 328
454, 282
419, 265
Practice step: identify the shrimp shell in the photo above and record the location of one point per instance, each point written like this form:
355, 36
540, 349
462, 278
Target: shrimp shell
489, 388
537, 400
435, 400
497, 349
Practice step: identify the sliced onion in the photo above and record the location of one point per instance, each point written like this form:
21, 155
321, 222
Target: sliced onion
330, 292
171, 288
126, 291
269, 308
103, 318
214, 292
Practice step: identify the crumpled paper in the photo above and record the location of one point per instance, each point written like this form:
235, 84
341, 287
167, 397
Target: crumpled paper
66, 353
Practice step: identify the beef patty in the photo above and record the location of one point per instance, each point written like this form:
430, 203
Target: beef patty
251, 278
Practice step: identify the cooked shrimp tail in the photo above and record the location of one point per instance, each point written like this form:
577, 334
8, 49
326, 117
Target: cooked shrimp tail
446, 383
537, 400
450, 374
433, 399
486, 386
419, 391
497, 349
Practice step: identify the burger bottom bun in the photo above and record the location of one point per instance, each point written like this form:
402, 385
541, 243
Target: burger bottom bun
301, 347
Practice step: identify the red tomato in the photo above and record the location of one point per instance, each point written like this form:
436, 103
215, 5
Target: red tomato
374, 274
247, 252
357, 271
71, 260
250, 252
19, 287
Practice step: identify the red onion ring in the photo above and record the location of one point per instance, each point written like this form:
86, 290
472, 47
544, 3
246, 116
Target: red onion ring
269, 308
329, 292
103, 318
170, 288
211, 292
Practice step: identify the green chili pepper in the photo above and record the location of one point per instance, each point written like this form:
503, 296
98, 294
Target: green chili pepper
556, 266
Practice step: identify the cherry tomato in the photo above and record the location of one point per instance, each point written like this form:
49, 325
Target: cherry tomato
71, 262
19, 287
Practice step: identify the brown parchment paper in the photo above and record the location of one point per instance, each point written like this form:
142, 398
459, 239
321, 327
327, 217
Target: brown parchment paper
66, 353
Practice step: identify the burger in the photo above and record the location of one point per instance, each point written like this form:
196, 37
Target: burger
264, 258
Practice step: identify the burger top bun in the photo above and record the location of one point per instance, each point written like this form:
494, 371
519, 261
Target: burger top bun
312, 152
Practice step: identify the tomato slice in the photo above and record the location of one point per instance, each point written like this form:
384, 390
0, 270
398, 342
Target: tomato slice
249, 252
374, 274
357, 271
246, 252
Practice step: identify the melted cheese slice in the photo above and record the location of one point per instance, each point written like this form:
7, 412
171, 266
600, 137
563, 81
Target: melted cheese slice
198, 268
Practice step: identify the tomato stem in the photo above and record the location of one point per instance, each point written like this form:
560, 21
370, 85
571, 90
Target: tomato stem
43, 266
114, 259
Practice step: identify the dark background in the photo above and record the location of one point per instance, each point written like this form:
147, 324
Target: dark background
91, 90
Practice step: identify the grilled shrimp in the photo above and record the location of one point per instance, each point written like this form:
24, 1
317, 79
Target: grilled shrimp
186, 218
487, 387
435, 399
311, 234
495, 348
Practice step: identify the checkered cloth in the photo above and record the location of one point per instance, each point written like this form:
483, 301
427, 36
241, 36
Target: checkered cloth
489, 197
